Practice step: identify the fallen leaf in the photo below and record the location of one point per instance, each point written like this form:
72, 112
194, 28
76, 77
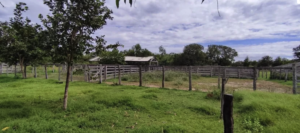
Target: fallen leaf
5, 128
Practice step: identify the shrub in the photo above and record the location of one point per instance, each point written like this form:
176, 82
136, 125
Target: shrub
252, 125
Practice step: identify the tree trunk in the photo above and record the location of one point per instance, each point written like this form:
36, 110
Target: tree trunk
21, 65
67, 87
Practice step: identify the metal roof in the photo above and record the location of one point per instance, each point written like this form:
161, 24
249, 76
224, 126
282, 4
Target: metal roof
97, 58
129, 58
139, 59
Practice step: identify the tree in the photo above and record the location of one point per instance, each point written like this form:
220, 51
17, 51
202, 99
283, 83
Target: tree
112, 57
265, 61
70, 27
221, 55
246, 62
162, 50
130, 2
193, 55
20, 40
238, 63
278, 62
138, 51
297, 52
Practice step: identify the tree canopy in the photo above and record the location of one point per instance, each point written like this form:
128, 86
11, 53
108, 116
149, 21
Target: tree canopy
70, 28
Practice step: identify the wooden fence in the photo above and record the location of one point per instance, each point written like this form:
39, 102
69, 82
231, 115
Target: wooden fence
6, 69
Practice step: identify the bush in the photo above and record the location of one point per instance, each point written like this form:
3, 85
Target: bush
252, 125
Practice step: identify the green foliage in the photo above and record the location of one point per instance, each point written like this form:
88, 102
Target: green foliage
246, 62
20, 41
215, 95
252, 125
112, 57
265, 61
220, 55
138, 51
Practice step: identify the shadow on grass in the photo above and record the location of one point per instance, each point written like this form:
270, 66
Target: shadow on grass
6, 79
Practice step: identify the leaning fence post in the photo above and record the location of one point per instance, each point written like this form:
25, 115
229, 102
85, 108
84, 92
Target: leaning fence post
163, 77
119, 74
227, 116
100, 73
222, 96
294, 79
46, 74
190, 78
140, 75
254, 78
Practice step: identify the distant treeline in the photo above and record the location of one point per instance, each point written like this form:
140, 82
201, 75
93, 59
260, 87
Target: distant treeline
193, 54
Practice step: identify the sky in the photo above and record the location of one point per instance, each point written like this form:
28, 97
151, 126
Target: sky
254, 28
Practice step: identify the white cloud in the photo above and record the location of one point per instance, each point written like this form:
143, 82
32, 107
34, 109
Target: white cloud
176, 23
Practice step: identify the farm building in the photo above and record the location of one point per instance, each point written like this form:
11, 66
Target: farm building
133, 60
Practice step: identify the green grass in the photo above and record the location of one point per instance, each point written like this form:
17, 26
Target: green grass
35, 105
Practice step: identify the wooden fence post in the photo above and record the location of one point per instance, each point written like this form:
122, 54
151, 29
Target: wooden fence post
140, 75
52, 68
254, 78
35, 75
227, 116
163, 77
294, 79
211, 72
25, 73
46, 73
190, 78
71, 76
1, 68
115, 70
222, 96
239, 73
280, 74
85, 73
219, 78
100, 73
119, 74
58, 72
286, 73
105, 72
16, 70
88, 74
266, 74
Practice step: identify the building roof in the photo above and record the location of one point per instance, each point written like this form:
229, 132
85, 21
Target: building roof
139, 59
97, 58
129, 58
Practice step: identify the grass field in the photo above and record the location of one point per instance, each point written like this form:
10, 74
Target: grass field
177, 80
35, 105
